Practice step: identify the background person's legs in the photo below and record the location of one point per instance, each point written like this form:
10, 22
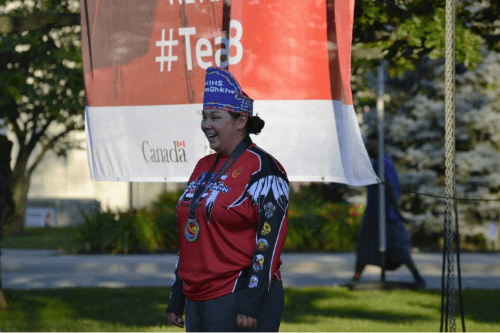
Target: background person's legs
358, 271
419, 281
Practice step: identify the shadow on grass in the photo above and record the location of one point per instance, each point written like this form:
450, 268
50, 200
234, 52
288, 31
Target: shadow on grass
303, 305
103, 309
25, 319
58, 309
480, 305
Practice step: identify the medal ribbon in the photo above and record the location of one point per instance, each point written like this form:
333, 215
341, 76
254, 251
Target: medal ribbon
240, 149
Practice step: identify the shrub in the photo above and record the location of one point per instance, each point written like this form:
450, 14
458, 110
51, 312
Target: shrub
317, 223
133, 231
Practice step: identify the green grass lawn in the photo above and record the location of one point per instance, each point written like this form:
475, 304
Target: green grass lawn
42, 238
306, 309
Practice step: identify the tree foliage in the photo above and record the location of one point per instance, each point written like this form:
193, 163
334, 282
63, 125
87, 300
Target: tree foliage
410, 35
42, 98
407, 30
415, 139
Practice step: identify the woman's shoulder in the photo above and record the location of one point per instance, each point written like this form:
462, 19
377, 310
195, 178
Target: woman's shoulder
266, 162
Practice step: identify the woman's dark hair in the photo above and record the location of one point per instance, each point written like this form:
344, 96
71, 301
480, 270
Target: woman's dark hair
254, 124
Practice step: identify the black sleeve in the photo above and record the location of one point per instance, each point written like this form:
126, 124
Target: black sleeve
270, 194
177, 300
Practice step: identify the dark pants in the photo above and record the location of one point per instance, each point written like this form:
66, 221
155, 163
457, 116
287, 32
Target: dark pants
219, 314
409, 263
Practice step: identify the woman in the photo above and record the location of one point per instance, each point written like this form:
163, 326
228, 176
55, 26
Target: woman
232, 222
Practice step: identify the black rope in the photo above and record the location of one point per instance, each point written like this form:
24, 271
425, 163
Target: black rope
436, 196
458, 267
442, 282
444, 311
446, 314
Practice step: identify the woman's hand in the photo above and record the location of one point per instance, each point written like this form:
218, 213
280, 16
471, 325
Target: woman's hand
246, 322
175, 320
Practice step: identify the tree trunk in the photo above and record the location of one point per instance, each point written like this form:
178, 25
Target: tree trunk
20, 194
3, 302
6, 202
19, 186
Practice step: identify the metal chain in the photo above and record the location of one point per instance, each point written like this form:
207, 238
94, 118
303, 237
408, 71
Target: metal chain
450, 154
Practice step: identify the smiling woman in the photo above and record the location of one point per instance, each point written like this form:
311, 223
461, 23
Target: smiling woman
223, 132
236, 200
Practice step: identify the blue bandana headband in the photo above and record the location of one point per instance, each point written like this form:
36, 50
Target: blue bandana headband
222, 92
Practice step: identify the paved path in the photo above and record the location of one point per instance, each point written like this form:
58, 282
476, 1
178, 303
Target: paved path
37, 269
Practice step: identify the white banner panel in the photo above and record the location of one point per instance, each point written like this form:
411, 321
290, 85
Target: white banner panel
144, 143
131, 143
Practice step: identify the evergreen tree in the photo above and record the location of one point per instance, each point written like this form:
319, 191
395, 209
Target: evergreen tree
415, 139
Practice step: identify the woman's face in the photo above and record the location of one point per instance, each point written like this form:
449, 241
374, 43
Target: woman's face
222, 131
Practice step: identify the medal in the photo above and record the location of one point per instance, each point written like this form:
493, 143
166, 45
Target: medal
191, 230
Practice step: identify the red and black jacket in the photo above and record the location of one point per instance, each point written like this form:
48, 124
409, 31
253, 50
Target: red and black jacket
242, 221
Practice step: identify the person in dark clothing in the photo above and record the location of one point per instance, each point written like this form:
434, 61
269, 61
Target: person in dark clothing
398, 243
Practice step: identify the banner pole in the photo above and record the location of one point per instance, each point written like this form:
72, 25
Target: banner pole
381, 169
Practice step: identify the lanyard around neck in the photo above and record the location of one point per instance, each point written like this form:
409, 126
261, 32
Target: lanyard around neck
240, 149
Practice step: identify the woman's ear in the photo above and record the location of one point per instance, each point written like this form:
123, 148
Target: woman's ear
242, 121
